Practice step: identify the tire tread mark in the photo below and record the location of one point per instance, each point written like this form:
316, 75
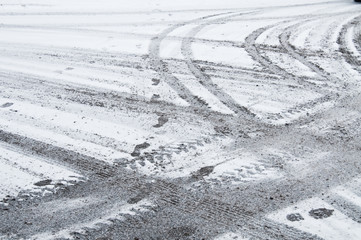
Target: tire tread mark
342, 42
169, 193
84, 164
284, 39
253, 50
226, 214
160, 66
204, 79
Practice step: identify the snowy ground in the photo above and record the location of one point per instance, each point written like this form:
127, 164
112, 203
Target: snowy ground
180, 119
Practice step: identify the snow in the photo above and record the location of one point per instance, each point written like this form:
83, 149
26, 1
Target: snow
348, 195
196, 88
243, 168
76, 131
338, 226
140, 5
113, 26
20, 172
105, 47
113, 214
225, 55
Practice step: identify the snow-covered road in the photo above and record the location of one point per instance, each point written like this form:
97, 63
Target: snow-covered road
180, 119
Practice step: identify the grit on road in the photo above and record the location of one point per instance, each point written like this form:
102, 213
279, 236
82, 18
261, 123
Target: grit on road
180, 119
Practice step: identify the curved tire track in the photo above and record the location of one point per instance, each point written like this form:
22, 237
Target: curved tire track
291, 50
160, 66
205, 79
211, 209
252, 49
342, 42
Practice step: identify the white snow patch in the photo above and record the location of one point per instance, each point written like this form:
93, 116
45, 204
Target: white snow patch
269, 98
233, 56
242, 168
19, 172
113, 213
348, 195
337, 226
120, 80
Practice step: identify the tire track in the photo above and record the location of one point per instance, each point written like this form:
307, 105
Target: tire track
243, 210
253, 50
88, 96
109, 63
76, 134
358, 38
291, 50
349, 209
160, 65
347, 54
300, 56
213, 210
88, 166
206, 208
205, 79
209, 209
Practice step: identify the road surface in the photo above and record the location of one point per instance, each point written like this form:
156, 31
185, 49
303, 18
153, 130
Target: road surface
180, 119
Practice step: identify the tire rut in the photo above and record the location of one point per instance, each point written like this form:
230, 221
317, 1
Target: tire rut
160, 65
88, 166
205, 79
350, 57
223, 207
254, 52
291, 50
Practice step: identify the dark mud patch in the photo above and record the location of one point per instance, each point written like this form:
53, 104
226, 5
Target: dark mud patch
203, 172
181, 232
161, 121
294, 217
43, 183
321, 213
5, 105
138, 148
155, 81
